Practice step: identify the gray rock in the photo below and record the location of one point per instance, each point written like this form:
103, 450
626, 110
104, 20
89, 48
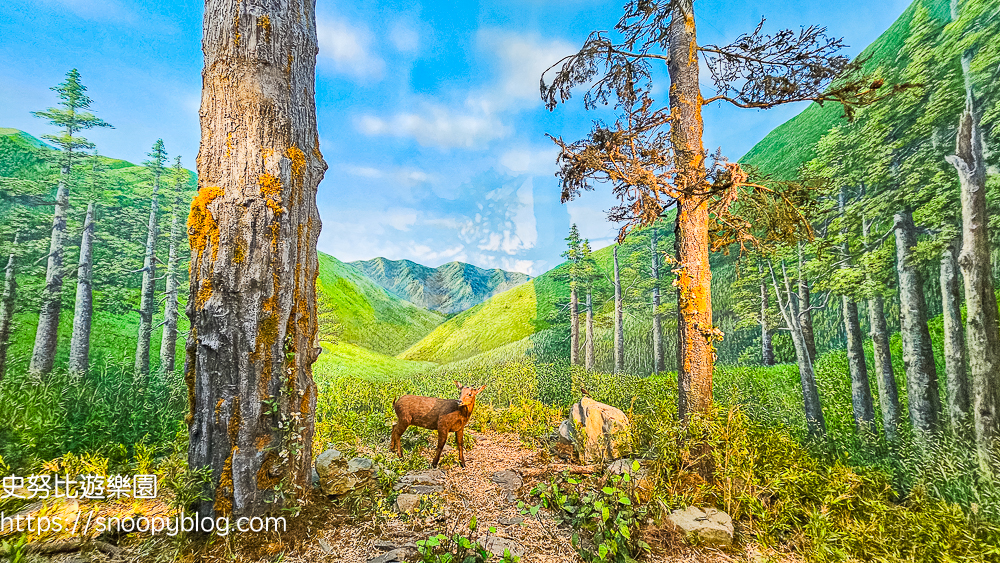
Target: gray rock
425, 489
394, 555
407, 502
428, 477
511, 521
497, 546
383, 545
325, 546
508, 480
567, 434
315, 479
338, 476
710, 527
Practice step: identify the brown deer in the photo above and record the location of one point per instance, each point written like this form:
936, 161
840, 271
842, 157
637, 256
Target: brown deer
443, 415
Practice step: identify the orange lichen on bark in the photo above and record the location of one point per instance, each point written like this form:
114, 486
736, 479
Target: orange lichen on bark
264, 25
223, 493
304, 405
204, 292
203, 230
218, 410
270, 188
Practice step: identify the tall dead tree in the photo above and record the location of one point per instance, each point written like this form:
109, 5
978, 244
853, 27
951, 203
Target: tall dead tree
619, 321
252, 230
7, 307
168, 340
83, 309
861, 391
885, 378
982, 326
766, 338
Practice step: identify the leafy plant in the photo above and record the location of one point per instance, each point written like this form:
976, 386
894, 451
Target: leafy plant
459, 548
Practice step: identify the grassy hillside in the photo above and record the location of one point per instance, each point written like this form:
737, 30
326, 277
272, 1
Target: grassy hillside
449, 288
792, 143
367, 314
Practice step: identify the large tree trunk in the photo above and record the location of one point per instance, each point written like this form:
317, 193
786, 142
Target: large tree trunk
790, 305
147, 301
44, 353
766, 342
7, 308
574, 325
956, 379
619, 328
83, 312
918, 357
589, 354
861, 391
253, 229
694, 289
168, 340
658, 362
805, 316
982, 330
888, 392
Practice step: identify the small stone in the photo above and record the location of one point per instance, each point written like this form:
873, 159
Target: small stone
567, 434
508, 480
394, 555
429, 477
511, 521
383, 545
325, 546
407, 502
710, 527
424, 489
497, 546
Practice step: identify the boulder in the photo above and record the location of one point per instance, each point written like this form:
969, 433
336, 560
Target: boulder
640, 481
508, 481
604, 428
394, 555
406, 502
338, 476
709, 527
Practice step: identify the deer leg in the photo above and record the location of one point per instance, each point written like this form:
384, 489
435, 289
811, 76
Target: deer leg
460, 441
442, 439
396, 445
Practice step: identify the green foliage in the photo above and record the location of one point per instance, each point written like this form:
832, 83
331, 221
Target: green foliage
459, 548
606, 509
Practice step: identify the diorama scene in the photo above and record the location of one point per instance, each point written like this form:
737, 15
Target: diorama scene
557, 282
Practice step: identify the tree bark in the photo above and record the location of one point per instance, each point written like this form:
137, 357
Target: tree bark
658, 362
766, 342
805, 317
589, 353
956, 378
168, 340
7, 308
694, 290
982, 327
147, 302
574, 325
619, 328
83, 312
918, 357
861, 391
44, 353
252, 230
888, 391
790, 307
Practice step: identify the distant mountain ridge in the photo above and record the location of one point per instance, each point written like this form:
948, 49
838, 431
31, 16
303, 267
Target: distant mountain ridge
449, 288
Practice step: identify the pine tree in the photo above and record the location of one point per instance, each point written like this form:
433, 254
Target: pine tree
168, 340
72, 118
572, 254
7, 307
147, 300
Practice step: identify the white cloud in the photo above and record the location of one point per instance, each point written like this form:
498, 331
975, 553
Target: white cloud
349, 49
534, 160
107, 10
404, 37
522, 60
438, 126
401, 218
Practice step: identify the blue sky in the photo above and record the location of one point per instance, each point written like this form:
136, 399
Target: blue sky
429, 114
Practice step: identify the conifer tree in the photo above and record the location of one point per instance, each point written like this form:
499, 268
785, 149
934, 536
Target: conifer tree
147, 302
168, 341
572, 254
71, 118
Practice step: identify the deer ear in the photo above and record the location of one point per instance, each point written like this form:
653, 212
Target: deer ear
459, 385
481, 388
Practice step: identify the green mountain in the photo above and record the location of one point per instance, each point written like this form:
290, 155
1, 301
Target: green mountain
449, 288
793, 143
364, 313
